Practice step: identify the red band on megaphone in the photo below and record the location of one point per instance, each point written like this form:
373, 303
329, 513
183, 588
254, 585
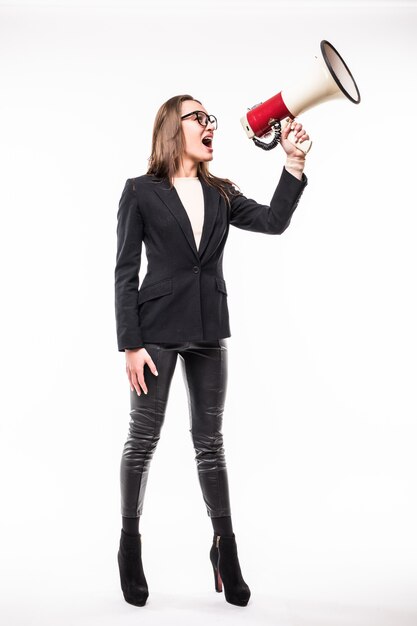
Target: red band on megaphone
262, 117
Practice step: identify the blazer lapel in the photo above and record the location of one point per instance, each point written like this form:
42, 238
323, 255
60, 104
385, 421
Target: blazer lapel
172, 201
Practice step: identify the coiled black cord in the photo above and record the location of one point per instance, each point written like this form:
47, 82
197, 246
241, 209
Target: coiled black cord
274, 142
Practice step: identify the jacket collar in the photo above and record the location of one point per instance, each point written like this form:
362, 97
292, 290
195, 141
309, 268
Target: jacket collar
172, 201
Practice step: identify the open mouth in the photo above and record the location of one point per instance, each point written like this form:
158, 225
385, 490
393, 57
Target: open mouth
207, 141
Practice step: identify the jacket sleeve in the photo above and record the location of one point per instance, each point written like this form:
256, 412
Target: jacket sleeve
126, 273
247, 214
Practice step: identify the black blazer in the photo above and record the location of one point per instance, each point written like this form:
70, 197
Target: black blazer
183, 296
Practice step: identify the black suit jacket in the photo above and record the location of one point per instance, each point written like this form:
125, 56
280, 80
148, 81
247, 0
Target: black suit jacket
183, 296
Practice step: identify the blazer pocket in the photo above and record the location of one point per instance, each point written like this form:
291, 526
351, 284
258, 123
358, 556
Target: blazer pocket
161, 288
221, 284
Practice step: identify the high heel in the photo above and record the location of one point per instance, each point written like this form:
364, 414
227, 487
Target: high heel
226, 569
132, 577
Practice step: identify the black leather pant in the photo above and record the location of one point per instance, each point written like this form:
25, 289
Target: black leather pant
204, 368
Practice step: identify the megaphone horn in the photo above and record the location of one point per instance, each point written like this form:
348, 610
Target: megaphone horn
328, 79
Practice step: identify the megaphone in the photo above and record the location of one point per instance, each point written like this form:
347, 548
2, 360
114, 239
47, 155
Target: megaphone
329, 78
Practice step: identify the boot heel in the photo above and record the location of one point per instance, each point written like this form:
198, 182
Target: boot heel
217, 580
214, 558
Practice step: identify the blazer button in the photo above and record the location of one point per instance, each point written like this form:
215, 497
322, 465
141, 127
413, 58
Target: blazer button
196, 269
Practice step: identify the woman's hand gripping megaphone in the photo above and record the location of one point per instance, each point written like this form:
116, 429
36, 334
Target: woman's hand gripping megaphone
293, 133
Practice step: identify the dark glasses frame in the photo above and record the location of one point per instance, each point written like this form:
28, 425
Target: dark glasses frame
209, 118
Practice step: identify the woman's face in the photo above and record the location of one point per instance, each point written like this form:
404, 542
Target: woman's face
194, 133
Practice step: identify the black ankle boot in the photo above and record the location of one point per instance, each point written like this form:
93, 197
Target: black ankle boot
132, 577
226, 568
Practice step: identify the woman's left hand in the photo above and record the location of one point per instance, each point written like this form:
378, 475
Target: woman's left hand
300, 135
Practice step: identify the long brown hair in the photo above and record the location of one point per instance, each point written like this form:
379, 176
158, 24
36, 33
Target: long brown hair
168, 145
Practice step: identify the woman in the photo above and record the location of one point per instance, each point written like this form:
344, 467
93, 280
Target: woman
182, 213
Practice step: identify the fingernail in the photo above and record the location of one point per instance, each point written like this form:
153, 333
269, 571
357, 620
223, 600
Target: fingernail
156, 373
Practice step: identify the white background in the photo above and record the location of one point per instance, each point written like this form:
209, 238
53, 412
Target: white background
320, 418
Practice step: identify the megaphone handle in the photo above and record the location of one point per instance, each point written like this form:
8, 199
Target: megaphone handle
304, 146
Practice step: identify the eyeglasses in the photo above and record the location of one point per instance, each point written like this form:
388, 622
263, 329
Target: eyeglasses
202, 118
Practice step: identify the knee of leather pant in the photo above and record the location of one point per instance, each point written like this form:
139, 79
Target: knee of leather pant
210, 453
